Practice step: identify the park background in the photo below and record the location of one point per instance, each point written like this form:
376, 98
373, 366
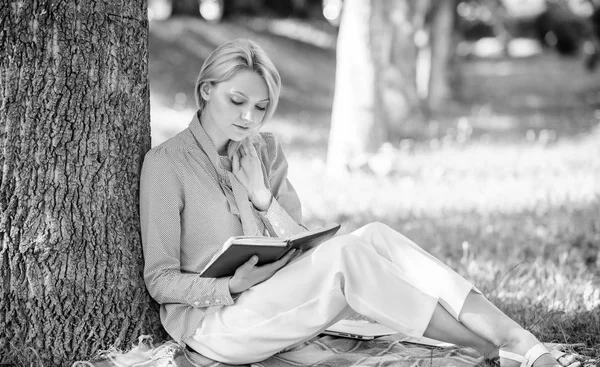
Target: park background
494, 167
507, 189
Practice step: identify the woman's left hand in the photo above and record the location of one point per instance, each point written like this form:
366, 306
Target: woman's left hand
247, 168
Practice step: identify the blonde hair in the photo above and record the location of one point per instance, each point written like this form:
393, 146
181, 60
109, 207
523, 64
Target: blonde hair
233, 56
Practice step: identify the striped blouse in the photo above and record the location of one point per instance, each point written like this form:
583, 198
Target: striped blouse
186, 217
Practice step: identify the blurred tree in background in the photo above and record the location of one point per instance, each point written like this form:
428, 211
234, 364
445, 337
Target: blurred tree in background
397, 61
379, 91
75, 121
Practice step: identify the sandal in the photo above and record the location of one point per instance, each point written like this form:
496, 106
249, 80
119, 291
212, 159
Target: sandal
565, 359
530, 357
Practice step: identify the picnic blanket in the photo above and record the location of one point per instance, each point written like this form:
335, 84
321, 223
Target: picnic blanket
321, 351
326, 351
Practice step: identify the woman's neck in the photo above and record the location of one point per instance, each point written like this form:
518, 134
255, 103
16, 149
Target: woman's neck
219, 142
221, 148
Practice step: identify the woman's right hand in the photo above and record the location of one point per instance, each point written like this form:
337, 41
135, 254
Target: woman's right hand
249, 274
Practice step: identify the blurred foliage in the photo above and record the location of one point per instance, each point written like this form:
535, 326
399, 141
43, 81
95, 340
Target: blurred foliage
229, 8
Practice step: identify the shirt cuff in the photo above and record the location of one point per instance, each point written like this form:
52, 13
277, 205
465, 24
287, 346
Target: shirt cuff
280, 220
220, 295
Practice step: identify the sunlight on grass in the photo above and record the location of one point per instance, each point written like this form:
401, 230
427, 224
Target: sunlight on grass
535, 282
521, 221
477, 177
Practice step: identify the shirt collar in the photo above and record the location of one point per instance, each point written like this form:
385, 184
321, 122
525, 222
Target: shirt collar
206, 144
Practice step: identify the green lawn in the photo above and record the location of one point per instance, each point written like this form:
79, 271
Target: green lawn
508, 193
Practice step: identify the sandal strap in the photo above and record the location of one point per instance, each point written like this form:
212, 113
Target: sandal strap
533, 354
557, 353
510, 355
530, 357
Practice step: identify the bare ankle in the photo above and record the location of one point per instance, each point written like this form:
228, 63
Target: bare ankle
490, 351
519, 340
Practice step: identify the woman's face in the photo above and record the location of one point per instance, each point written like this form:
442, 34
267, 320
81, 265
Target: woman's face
234, 108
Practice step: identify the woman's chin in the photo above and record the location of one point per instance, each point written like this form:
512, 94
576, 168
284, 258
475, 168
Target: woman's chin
240, 135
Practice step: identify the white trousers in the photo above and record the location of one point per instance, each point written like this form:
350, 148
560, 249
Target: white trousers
375, 271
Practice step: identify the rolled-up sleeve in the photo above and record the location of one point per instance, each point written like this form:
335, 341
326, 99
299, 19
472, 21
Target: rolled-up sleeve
161, 203
285, 212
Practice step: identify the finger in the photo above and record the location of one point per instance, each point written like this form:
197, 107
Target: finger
565, 359
275, 265
249, 147
243, 162
252, 150
295, 255
235, 163
248, 265
284, 260
243, 149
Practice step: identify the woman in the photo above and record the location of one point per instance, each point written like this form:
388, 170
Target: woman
221, 178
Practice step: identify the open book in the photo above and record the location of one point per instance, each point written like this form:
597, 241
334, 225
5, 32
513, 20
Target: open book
237, 250
368, 330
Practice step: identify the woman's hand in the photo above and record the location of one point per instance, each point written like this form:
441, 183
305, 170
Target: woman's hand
249, 274
247, 168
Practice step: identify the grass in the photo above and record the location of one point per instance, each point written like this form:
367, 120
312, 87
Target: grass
524, 228
519, 220
507, 193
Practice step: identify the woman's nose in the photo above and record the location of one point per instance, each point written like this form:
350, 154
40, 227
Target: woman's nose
248, 116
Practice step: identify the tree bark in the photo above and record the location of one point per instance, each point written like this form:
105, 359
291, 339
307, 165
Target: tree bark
375, 96
74, 127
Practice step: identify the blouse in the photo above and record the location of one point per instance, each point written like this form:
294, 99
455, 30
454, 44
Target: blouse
186, 216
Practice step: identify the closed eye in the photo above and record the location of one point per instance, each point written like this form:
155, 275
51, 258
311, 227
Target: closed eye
237, 103
261, 108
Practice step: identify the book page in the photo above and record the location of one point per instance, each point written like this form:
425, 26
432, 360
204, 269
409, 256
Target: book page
311, 239
263, 241
310, 233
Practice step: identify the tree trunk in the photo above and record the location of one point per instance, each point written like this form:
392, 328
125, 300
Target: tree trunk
355, 129
442, 25
74, 126
375, 96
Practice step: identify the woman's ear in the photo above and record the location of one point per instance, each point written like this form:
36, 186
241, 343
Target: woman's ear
205, 89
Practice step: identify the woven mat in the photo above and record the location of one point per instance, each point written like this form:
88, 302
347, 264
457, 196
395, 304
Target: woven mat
320, 351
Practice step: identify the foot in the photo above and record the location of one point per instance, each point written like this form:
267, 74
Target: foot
565, 359
520, 346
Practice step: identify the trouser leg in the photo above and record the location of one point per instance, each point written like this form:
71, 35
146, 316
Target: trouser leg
375, 271
420, 267
304, 297
434, 276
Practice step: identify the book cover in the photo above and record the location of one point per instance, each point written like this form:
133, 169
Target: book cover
237, 250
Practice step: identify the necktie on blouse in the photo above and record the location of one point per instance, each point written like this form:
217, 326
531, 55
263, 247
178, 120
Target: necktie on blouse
236, 194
